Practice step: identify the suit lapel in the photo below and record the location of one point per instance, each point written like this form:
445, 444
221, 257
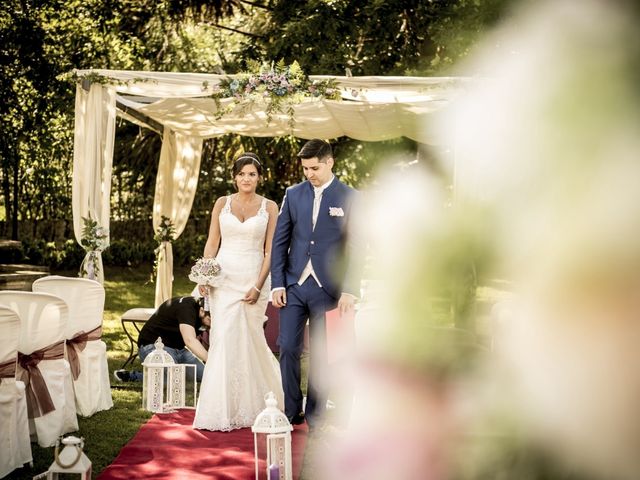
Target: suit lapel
327, 200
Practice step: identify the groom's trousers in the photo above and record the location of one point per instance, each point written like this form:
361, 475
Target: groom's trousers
306, 301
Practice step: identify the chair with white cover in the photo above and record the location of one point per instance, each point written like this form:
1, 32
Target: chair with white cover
15, 444
86, 351
41, 364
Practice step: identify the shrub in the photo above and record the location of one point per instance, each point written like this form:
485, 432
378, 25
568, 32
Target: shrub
11, 252
65, 256
129, 253
72, 256
121, 253
187, 249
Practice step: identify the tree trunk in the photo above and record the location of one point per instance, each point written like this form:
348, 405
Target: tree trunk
14, 219
6, 193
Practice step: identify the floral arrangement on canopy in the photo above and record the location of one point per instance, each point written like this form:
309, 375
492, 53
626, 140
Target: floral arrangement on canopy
94, 239
279, 86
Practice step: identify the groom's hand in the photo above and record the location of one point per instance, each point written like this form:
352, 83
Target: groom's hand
279, 298
346, 303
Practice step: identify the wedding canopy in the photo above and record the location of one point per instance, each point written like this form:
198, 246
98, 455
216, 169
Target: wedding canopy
180, 107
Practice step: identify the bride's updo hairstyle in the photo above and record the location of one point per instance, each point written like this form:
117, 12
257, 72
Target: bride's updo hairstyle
247, 158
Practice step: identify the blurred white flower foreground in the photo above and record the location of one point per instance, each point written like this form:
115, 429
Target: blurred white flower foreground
547, 196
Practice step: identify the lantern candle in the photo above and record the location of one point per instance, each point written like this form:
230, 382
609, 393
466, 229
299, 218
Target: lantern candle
273, 423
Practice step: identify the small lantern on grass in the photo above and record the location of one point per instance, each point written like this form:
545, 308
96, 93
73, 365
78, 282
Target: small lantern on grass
164, 382
70, 461
273, 424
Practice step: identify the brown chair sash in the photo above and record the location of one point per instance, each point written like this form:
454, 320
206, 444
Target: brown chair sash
8, 369
77, 344
38, 397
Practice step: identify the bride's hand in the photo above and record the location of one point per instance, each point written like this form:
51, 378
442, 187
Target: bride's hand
251, 296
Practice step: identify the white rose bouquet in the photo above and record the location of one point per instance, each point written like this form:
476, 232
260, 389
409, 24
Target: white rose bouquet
206, 271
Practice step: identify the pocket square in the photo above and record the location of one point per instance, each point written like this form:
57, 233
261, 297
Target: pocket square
336, 212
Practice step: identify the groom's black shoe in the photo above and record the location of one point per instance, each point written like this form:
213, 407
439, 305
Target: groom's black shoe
297, 419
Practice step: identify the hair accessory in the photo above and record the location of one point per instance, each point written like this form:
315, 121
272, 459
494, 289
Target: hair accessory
248, 156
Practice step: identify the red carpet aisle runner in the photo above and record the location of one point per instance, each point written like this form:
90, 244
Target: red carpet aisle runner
168, 448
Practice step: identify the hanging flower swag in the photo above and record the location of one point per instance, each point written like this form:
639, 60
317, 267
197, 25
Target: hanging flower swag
280, 86
94, 239
166, 232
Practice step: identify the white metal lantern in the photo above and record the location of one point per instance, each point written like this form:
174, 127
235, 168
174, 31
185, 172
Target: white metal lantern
274, 424
71, 460
164, 382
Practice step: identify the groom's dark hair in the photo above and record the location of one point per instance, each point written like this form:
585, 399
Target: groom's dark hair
316, 148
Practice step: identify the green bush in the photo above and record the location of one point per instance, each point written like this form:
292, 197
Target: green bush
11, 252
129, 253
187, 249
121, 253
65, 256
72, 257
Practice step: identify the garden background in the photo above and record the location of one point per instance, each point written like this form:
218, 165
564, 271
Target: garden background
41, 42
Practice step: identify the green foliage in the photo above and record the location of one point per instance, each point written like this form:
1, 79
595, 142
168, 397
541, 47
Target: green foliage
121, 253
42, 41
66, 256
187, 249
129, 253
372, 37
11, 252
166, 231
94, 237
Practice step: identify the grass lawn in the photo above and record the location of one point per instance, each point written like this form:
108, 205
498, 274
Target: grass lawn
106, 432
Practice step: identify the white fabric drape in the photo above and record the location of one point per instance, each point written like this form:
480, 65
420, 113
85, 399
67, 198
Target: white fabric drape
92, 161
175, 189
372, 108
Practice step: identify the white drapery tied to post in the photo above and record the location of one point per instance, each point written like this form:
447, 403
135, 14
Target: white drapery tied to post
92, 265
175, 189
92, 165
164, 277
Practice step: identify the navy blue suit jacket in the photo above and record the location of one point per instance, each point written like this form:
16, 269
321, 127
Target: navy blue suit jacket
296, 241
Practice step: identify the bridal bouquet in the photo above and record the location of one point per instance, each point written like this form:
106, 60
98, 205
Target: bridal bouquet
206, 271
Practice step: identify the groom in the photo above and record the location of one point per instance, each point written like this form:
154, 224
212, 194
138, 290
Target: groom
306, 275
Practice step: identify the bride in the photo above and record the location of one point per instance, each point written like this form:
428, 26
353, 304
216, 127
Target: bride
240, 369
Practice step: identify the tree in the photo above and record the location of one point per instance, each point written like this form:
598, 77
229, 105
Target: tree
40, 42
373, 37
24, 73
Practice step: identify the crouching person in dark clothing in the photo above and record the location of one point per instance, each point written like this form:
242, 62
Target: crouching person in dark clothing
178, 322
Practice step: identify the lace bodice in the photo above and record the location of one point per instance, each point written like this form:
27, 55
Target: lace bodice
244, 236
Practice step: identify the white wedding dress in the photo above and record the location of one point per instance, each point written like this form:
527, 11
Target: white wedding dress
240, 369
